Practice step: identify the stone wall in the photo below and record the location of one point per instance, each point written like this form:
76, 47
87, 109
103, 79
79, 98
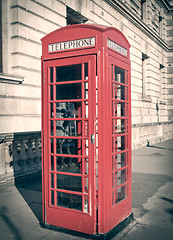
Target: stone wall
170, 65
24, 23
149, 29
149, 134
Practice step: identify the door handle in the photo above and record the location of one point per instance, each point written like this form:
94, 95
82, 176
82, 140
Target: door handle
92, 138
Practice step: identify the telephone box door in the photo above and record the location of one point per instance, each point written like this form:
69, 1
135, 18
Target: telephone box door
69, 153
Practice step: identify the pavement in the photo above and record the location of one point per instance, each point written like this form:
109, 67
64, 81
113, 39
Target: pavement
152, 201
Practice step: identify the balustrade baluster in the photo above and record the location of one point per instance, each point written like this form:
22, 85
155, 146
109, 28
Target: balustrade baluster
37, 155
16, 151
23, 157
30, 157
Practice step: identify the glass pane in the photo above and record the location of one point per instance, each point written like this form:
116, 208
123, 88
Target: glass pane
86, 90
119, 109
86, 71
120, 177
68, 91
51, 128
120, 144
52, 163
86, 109
67, 164
119, 75
51, 143
68, 110
119, 92
119, 126
120, 160
112, 71
51, 92
86, 204
52, 197
86, 185
86, 128
51, 74
120, 194
51, 110
86, 166
67, 182
68, 200
68, 146
68, 128
52, 180
86, 149
69, 73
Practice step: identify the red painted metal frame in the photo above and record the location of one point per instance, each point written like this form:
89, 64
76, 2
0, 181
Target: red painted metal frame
53, 211
104, 216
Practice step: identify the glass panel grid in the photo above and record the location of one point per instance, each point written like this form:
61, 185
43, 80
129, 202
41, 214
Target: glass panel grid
119, 134
68, 131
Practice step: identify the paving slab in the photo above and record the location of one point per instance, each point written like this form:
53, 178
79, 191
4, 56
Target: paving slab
152, 202
152, 194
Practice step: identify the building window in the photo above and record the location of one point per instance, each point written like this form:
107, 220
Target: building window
155, 17
1, 67
144, 77
143, 10
135, 6
74, 17
162, 84
160, 25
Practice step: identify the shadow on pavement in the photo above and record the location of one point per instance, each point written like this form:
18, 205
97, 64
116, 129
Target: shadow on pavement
170, 210
30, 188
13, 230
159, 147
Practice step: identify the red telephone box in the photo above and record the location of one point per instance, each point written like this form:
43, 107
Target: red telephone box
86, 128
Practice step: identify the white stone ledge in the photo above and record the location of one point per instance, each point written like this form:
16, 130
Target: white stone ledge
137, 125
10, 79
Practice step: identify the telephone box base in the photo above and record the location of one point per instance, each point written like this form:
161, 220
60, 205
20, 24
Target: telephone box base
100, 236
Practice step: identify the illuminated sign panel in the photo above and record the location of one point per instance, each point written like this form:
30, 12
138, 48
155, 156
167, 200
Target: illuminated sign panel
73, 44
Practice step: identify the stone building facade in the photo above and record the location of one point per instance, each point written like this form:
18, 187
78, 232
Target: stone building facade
148, 26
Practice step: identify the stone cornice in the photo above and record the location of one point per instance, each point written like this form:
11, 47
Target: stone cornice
127, 12
137, 125
165, 4
6, 137
10, 79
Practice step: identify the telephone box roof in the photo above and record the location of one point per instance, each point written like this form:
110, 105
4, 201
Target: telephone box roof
96, 27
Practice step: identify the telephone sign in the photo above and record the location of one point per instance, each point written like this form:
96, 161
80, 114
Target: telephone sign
86, 128
80, 43
117, 47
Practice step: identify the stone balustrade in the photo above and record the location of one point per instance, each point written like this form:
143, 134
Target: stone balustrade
20, 154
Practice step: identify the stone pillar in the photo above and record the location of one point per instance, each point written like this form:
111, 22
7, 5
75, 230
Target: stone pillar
6, 148
8, 156
2, 158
